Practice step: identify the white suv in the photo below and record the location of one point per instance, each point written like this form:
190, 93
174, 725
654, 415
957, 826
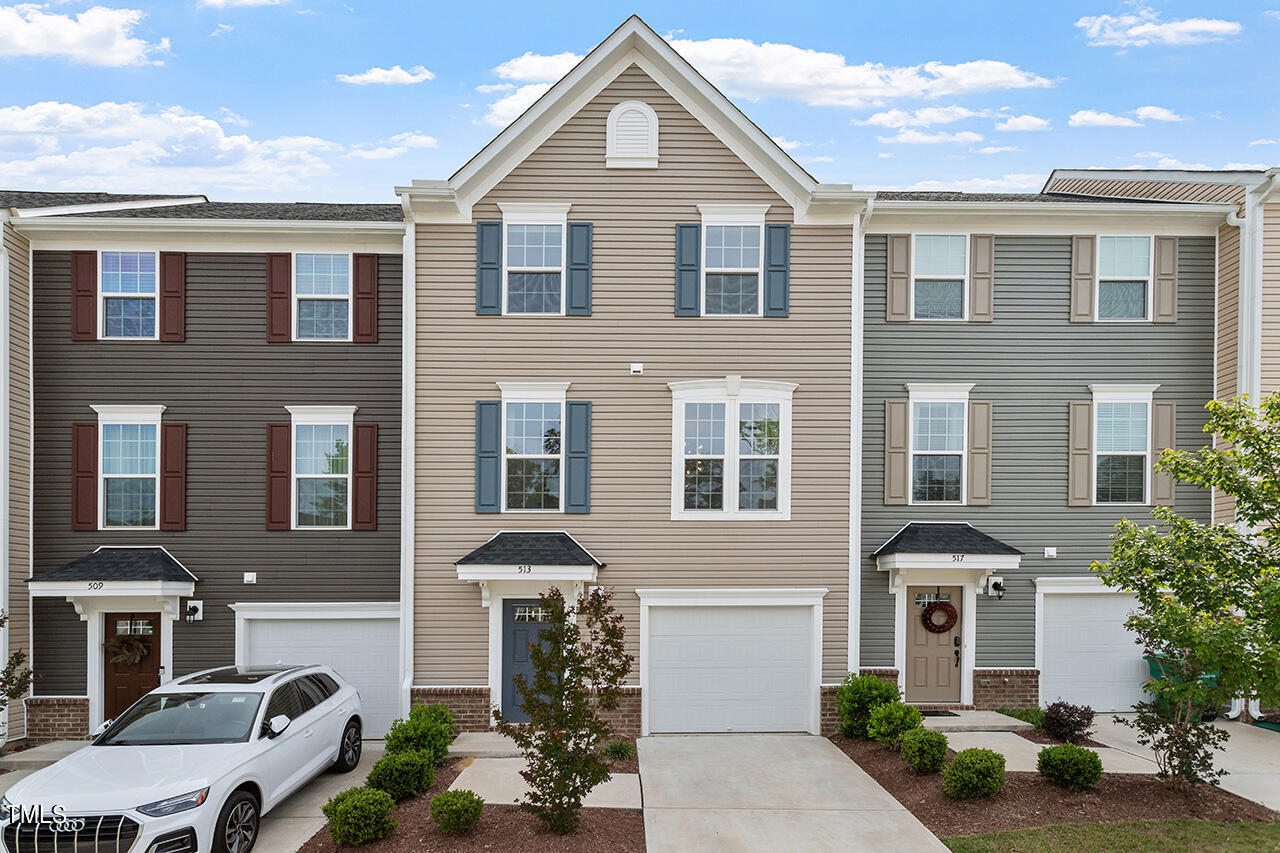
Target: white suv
193, 765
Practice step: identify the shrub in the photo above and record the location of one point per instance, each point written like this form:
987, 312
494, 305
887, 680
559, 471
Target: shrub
1183, 743
1073, 767
924, 750
456, 812
619, 750
890, 721
1034, 716
403, 774
1068, 722
359, 815
429, 729
973, 773
857, 697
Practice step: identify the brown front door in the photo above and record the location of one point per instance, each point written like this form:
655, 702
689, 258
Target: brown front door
124, 682
933, 659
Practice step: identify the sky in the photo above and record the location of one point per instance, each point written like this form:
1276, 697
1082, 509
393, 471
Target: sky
316, 100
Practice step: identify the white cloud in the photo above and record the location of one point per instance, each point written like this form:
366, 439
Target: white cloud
820, 159
925, 117
537, 68
1006, 184
1244, 166
221, 30
884, 155
495, 87
1157, 114
395, 75
223, 4
1150, 155
995, 149
382, 153
395, 146
414, 139
788, 144
1023, 122
96, 36
231, 117
918, 137
506, 110
1093, 118
1272, 13
1264, 141
1144, 27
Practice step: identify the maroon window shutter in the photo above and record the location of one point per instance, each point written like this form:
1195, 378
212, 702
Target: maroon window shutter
84, 476
84, 297
173, 477
365, 329
364, 479
173, 296
279, 298
279, 466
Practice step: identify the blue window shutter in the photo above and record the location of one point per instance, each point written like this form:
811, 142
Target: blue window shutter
489, 268
578, 292
777, 270
577, 457
488, 456
688, 270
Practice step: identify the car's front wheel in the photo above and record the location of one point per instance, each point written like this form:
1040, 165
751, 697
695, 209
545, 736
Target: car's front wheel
237, 828
349, 748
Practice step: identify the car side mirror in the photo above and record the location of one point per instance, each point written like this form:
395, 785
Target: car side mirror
277, 724
102, 728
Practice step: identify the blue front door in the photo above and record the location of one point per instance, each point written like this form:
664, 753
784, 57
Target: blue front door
522, 622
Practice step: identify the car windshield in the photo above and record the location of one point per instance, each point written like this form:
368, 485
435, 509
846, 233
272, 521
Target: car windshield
184, 718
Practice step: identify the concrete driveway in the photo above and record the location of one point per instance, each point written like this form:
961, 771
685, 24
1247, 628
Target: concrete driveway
767, 793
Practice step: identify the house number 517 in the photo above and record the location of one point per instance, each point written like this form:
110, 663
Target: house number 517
957, 558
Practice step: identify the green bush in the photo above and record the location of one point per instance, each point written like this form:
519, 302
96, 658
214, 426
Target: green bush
890, 721
403, 774
857, 697
619, 750
973, 773
1034, 716
456, 811
359, 815
428, 729
1073, 767
924, 750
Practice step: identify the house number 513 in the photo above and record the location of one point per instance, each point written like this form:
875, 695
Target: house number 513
524, 570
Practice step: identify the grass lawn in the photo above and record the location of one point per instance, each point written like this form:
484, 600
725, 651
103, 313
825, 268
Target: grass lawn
1151, 836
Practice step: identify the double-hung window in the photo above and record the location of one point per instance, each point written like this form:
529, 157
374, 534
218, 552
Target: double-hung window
939, 424
128, 292
322, 297
1124, 278
533, 255
129, 455
732, 259
939, 277
732, 449
533, 454
322, 466
1122, 444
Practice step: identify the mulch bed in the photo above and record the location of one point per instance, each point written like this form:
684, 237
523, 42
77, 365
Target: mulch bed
502, 827
1030, 801
1040, 736
629, 765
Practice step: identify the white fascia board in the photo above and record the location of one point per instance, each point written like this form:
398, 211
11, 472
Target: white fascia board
1073, 584
482, 572
1071, 208
1174, 176
1048, 219
907, 561
222, 235
109, 589
731, 597
317, 610
102, 207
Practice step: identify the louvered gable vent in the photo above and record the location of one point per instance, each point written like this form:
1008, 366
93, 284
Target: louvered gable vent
632, 137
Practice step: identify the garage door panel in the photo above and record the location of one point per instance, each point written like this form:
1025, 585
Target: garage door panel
1089, 657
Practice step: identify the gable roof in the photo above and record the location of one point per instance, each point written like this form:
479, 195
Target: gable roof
632, 43
120, 563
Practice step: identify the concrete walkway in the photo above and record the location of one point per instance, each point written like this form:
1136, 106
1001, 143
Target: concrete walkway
1020, 754
976, 721
498, 780
767, 793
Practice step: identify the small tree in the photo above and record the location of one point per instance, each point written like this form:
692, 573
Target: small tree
15, 676
1208, 595
579, 665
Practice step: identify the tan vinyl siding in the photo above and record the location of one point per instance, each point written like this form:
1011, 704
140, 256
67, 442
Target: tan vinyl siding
461, 356
1228, 339
19, 453
1270, 298
1164, 190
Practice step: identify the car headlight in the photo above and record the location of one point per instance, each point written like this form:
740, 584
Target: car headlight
173, 805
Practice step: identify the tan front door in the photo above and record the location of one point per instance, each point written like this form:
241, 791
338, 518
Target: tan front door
933, 658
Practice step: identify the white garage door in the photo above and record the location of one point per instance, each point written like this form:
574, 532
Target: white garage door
366, 652
730, 669
1088, 656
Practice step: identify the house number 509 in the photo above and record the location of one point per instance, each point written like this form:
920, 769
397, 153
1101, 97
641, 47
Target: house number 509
95, 584
524, 570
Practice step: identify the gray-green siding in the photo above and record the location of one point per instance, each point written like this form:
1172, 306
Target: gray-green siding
226, 383
1031, 362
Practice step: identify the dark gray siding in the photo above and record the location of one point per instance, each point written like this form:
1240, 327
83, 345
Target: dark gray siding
226, 383
1031, 362
58, 655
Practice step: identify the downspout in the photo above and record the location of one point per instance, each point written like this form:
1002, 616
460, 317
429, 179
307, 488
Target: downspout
860, 223
408, 469
1249, 357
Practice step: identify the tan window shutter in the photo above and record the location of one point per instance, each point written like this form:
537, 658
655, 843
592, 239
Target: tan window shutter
979, 485
897, 452
1165, 291
982, 278
1084, 277
1080, 461
898, 299
1164, 430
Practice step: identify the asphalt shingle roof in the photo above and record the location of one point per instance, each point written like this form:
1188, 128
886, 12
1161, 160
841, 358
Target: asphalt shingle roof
306, 211
923, 537
31, 198
120, 564
533, 549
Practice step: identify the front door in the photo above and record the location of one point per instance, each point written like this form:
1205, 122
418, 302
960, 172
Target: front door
522, 623
933, 652
131, 659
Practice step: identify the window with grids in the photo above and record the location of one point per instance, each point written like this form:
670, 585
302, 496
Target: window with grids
128, 285
704, 455
742, 473
533, 455
1124, 278
940, 266
322, 478
129, 474
732, 263
322, 291
1121, 447
937, 452
535, 269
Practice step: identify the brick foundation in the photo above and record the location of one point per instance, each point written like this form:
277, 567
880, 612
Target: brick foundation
1006, 688
829, 720
625, 719
470, 705
57, 718
889, 674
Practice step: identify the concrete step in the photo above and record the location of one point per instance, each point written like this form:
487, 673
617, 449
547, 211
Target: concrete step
41, 756
976, 721
483, 745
